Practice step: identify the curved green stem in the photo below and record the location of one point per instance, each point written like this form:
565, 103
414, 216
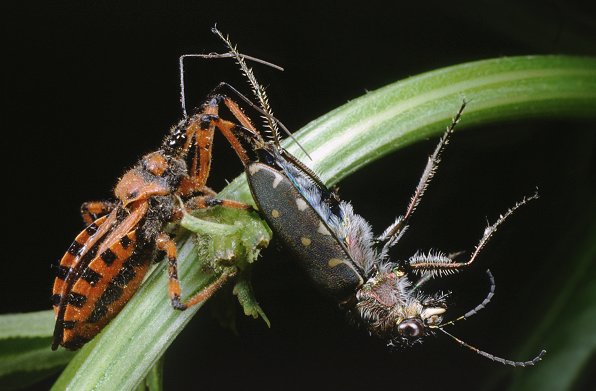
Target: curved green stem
340, 143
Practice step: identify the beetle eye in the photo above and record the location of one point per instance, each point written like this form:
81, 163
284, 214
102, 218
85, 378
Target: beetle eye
410, 328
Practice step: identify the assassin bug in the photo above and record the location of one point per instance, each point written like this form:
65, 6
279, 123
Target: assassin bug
107, 261
336, 247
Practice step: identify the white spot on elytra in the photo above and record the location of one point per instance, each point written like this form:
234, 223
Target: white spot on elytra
323, 230
301, 204
277, 179
254, 168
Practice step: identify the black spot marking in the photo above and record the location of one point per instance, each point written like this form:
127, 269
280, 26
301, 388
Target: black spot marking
133, 194
75, 248
98, 312
111, 294
62, 272
68, 324
125, 241
91, 276
56, 298
75, 342
213, 201
206, 121
76, 299
91, 229
137, 260
126, 274
108, 257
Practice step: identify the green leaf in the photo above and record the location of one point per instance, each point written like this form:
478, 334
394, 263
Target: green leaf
154, 379
340, 143
243, 290
25, 354
567, 329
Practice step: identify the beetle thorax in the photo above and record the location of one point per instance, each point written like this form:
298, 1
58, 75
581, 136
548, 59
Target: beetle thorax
384, 301
388, 305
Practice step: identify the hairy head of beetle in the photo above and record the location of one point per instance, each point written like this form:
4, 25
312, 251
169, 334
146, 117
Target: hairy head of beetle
391, 308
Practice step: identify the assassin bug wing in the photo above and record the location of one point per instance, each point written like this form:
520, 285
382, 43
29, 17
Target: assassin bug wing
108, 231
70, 261
300, 227
117, 273
74, 263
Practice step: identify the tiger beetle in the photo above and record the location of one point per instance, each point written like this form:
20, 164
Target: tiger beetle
335, 246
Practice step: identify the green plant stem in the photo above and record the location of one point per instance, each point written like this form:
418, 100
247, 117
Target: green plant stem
340, 143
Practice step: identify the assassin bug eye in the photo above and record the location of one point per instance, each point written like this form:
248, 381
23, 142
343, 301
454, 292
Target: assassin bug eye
410, 328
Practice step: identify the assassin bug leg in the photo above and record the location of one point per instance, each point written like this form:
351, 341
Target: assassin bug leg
201, 202
164, 243
92, 210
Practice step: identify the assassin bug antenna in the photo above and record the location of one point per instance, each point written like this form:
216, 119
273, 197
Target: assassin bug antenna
212, 56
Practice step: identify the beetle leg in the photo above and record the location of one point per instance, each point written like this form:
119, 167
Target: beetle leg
164, 243
92, 210
444, 266
397, 228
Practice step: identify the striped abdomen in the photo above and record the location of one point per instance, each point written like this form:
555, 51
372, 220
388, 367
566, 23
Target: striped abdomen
96, 277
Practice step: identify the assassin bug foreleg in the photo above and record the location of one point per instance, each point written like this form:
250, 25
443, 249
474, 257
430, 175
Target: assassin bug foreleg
336, 246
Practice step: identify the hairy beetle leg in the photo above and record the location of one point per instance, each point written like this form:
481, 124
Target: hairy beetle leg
393, 233
164, 243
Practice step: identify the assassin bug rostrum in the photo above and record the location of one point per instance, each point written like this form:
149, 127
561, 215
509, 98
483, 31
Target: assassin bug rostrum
336, 246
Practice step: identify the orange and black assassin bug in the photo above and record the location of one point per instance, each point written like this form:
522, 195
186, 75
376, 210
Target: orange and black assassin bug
107, 261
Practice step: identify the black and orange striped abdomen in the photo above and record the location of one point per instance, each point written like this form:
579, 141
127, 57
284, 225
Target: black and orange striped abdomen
87, 295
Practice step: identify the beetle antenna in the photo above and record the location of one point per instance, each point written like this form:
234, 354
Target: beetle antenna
480, 306
492, 357
259, 91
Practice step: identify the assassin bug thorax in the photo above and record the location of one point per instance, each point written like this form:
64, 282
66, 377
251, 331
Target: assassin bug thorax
336, 247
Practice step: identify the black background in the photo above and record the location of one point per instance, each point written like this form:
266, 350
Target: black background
89, 87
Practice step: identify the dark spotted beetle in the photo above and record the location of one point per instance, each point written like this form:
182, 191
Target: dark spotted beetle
336, 246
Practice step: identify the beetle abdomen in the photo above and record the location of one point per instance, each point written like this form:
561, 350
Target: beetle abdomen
300, 228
